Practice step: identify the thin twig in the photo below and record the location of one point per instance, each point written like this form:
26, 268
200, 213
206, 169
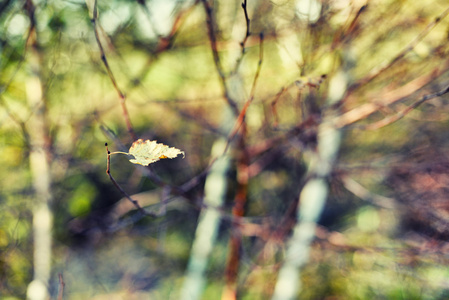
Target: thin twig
248, 22
247, 34
391, 119
273, 106
360, 191
363, 111
5, 87
346, 34
134, 202
217, 61
240, 199
379, 70
241, 117
111, 75
164, 43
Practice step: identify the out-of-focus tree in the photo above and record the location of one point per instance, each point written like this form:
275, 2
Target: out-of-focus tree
315, 143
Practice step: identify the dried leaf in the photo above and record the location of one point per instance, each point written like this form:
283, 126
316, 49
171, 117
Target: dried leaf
147, 152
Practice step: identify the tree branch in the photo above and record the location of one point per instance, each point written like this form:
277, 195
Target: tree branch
363, 111
217, 61
382, 68
391, 119
121, 95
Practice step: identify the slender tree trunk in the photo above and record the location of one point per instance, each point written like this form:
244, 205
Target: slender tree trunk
314, 194
40, 170
207, 228
235, 243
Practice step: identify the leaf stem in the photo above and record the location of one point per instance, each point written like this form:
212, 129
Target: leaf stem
119, 152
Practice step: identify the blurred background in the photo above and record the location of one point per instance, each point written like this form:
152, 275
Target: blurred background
76, 75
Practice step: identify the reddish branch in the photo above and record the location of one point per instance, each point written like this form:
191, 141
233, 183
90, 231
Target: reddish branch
238, 211
346, 34
383, 100
242, 114
165, 42
121, 95
391, 119
273, 107
241, 196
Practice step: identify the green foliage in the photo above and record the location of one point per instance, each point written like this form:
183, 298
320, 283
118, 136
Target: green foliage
80, 202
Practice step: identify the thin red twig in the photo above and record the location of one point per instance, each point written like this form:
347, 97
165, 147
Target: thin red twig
241, 117
391, 119
346, 34
121, 95
362, 111
238, 210
273, 106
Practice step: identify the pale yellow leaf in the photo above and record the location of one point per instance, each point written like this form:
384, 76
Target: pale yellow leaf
147, 152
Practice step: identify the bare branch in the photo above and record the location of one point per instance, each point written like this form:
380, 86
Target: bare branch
379, 70
248, 22
217, 61
388, 98
247, 34
241, 117
391, 119
345, 35
364, 194
121, 95
238, 210
273, 106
